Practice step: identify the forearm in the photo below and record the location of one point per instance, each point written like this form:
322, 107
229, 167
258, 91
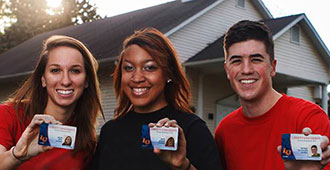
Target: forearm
8, 161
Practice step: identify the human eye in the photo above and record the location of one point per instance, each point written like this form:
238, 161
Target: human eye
150, 67
235, 61
76, 71
54, 70
256, 59
128, 68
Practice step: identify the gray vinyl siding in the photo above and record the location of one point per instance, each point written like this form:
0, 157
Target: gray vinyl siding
196, 35
300, 60
210, 26
107, 96
303, 92
216, 87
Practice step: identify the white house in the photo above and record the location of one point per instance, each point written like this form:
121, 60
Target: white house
196, 28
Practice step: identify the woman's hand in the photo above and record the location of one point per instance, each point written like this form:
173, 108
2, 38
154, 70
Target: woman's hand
176, 159
27, 146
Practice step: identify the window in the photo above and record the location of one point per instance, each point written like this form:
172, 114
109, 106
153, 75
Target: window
295, 34
241, 3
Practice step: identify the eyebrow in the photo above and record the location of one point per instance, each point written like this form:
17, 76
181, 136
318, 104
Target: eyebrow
257, 55
125, 60
252, 55
57, 65
234, 57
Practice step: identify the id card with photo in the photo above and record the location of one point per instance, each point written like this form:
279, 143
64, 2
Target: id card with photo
301, 147
164, 138
59, 136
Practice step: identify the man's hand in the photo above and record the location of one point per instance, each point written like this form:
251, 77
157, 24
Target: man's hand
309, 165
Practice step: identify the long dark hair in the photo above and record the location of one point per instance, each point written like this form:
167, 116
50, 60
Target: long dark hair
177, 92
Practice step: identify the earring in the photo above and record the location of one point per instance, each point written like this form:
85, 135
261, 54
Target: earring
169, 80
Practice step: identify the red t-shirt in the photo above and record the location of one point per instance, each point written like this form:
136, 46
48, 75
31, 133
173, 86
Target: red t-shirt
251, 143
11, 130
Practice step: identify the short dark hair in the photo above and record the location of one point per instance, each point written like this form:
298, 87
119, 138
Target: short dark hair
314, 146
249, 30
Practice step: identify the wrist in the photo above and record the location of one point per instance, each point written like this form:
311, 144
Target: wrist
186, 165
17, 157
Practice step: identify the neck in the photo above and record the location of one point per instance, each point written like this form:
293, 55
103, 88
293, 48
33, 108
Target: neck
59, 113
261, 105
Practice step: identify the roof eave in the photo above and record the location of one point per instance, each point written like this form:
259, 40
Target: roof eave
23, 74
262, 9
202, 62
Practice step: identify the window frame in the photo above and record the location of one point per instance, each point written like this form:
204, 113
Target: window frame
295, 34
238, 3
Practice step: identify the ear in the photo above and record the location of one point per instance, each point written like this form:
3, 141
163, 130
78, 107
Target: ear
43, 81
86, 84
226, 69
273, 71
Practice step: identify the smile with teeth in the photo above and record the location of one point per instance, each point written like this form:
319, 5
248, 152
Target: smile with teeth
248, 81
139, 91
65, 92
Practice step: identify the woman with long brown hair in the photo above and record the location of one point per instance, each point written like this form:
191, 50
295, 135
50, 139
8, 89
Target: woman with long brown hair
63, 89
150, 85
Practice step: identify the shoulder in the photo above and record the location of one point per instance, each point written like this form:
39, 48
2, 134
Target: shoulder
228, 121
301, 106
7, 109
115, 125
307, 114
231, 117
294, 101
109, 125
184, 119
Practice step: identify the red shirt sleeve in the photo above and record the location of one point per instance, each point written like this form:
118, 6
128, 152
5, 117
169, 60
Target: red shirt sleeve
9, 126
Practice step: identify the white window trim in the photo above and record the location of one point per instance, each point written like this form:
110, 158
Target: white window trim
238, 6
299, 35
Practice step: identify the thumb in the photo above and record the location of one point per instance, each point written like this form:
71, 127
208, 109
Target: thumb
324, 142
279, 148
307, 131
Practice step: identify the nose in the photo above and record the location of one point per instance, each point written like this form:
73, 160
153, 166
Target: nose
66, 79
247, 67
138, 76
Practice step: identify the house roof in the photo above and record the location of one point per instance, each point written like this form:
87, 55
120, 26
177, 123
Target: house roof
277, 26
110, 33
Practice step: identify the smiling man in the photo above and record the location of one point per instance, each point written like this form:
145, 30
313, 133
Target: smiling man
248, 137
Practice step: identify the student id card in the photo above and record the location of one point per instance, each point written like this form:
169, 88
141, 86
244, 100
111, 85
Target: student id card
164, 138
59, 136
301, 147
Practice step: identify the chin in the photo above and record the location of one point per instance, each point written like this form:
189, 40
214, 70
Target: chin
140, 104
247, 97
65, 104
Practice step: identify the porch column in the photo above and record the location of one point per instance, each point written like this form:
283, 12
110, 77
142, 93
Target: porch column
200, 107
325, 98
